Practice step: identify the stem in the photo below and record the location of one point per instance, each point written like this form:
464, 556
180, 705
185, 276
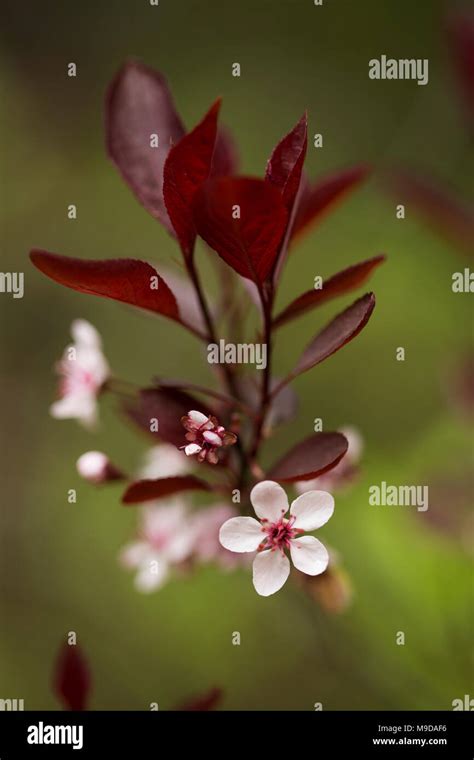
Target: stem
225, 370
267, 306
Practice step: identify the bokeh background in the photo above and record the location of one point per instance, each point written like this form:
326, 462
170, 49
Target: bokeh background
410, 571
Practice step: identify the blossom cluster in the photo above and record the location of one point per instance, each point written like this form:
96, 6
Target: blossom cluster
208, 440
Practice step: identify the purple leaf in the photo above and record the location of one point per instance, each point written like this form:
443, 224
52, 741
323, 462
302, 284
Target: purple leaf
318, 198
128, 280
243, 219
437, 205
72, 680
225, 161
187, 167
139, 105
286, 162
343, 282
310, 458
149, 490
336, 334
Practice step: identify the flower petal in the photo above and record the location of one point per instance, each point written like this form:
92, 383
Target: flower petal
312, 509
84, 333
241, 534
191, 449
309, 555
269, 500
198, 418
270, 571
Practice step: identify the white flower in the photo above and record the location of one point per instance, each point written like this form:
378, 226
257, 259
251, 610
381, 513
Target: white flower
275, 534
343, 473
166, 539
84, 370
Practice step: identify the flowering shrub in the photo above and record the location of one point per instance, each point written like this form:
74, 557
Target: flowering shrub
211, 438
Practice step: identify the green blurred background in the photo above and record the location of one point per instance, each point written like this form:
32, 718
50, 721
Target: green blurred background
410, 573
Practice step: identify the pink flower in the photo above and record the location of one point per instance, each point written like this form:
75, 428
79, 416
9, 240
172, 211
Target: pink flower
96, 467
343, 473
206, 436
165, 540
84, 370
207, 547
164, 461
275, 534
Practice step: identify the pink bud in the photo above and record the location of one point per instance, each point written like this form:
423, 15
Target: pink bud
198, 418
212, 438
95, 467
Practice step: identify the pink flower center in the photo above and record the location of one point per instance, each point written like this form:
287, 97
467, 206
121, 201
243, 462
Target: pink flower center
278, 534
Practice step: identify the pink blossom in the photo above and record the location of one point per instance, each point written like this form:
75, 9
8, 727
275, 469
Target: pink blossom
164, 461
84, 370
274, 534
205, 436
165, 540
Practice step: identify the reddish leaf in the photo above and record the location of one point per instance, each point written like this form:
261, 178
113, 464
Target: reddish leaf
72, 680
318, 198
167, 405
249, 244
310, 458
148, 490
187, 167
336, 334
343, 282
203, 702
128, 280
286, 163
138, 105
437, 205
225, 160
462, 43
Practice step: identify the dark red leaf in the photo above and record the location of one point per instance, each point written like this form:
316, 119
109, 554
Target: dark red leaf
128, 280
437, 205
225, 160
310, 458
462, 43
203, 702
318, 198
343, 282
138, 105
187, 167
286, 162
250, 243
148, 490
336, 334
167, 405
71, 679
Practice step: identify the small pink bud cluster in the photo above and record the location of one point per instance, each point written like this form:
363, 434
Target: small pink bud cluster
205, 436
